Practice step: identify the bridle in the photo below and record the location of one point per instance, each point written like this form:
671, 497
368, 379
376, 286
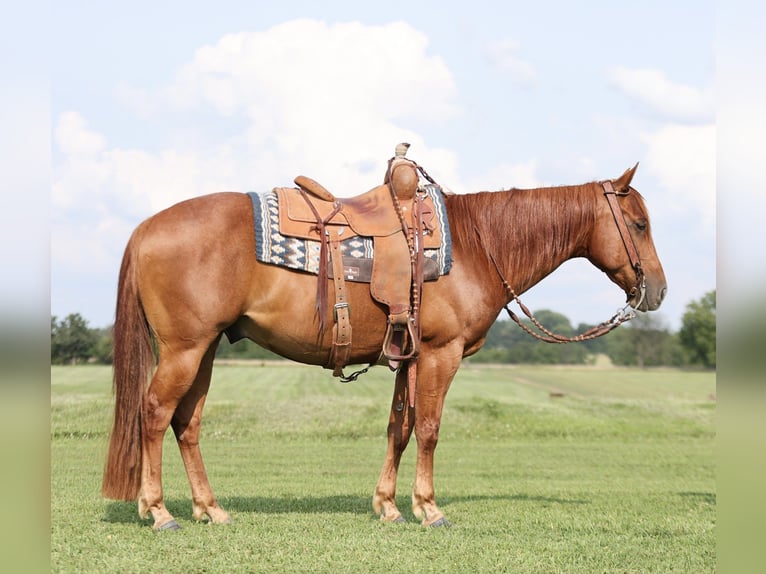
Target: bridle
624, 314
627, 240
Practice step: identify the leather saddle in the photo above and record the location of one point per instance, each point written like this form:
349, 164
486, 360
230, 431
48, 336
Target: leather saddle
401, 221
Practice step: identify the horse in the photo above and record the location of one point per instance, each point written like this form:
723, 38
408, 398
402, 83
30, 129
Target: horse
189, 275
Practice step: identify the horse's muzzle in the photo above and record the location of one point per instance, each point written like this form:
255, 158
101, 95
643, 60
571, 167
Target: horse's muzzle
649, 300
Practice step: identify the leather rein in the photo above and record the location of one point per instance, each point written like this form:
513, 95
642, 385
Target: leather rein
623, 315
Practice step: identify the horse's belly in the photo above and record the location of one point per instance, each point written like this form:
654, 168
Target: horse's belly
282, 317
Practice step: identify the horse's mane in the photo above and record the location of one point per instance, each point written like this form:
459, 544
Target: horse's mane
524, 226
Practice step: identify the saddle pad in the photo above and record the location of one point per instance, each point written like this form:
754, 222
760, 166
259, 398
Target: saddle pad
303, 254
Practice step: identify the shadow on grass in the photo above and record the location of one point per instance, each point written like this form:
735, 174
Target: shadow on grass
126, 512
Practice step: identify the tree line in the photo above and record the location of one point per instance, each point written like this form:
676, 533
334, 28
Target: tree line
642, 342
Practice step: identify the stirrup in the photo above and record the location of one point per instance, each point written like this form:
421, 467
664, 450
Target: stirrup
398, 335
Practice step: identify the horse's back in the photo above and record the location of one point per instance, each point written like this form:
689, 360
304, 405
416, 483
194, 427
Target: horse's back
203, 216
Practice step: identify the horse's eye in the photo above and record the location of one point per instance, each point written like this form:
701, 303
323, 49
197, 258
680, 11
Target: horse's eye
641, 225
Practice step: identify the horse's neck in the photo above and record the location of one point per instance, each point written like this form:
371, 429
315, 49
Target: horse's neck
553, 233
537, 235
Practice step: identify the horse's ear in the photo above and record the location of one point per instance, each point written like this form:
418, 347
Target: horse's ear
622, 183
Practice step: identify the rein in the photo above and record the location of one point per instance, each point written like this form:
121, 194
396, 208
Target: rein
623, 315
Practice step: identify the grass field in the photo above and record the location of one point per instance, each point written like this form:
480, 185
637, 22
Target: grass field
540, 469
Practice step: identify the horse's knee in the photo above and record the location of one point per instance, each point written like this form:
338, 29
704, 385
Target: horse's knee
400, 434
427, 432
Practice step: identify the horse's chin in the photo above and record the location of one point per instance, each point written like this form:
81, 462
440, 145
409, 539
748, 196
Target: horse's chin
637, 304
643, 306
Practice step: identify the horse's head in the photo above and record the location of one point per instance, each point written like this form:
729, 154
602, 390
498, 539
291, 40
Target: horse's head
621, 244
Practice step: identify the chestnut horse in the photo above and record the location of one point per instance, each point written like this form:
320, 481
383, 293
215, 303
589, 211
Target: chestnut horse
189, 274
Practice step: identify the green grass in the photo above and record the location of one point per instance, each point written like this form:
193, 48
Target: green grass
614, 473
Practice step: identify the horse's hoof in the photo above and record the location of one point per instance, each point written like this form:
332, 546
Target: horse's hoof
400, 520
171, 525
441, 523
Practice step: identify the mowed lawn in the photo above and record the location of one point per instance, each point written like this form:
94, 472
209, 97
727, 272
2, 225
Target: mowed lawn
540, 469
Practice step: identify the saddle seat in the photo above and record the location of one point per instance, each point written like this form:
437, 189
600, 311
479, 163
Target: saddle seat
370, 214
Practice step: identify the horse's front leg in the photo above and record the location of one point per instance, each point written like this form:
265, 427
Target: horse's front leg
435, 373
399, 432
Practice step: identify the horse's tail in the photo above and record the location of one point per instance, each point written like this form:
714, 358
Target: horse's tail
132, 362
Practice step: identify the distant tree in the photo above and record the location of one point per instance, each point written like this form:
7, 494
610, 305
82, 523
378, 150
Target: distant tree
102, 349
698, 330
646, 333
71, 340
508, 343
644, 342
595, 346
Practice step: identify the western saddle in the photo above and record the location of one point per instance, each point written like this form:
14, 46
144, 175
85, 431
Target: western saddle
400, 217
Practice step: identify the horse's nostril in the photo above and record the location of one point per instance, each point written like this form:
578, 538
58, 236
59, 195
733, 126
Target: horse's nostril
662, 293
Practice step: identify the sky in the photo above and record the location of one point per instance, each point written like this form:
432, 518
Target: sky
154, 102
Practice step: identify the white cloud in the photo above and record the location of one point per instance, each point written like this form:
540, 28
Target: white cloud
138, 100
318, 99
313, 70
681, 152
683, 159
74, 138
504, 56
324, 99
660, 96
88, 247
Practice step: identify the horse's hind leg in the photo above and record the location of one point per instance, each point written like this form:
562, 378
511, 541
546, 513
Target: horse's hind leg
186, 426
399, 432
175, 375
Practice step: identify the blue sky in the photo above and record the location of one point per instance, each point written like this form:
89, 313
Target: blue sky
152, 103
